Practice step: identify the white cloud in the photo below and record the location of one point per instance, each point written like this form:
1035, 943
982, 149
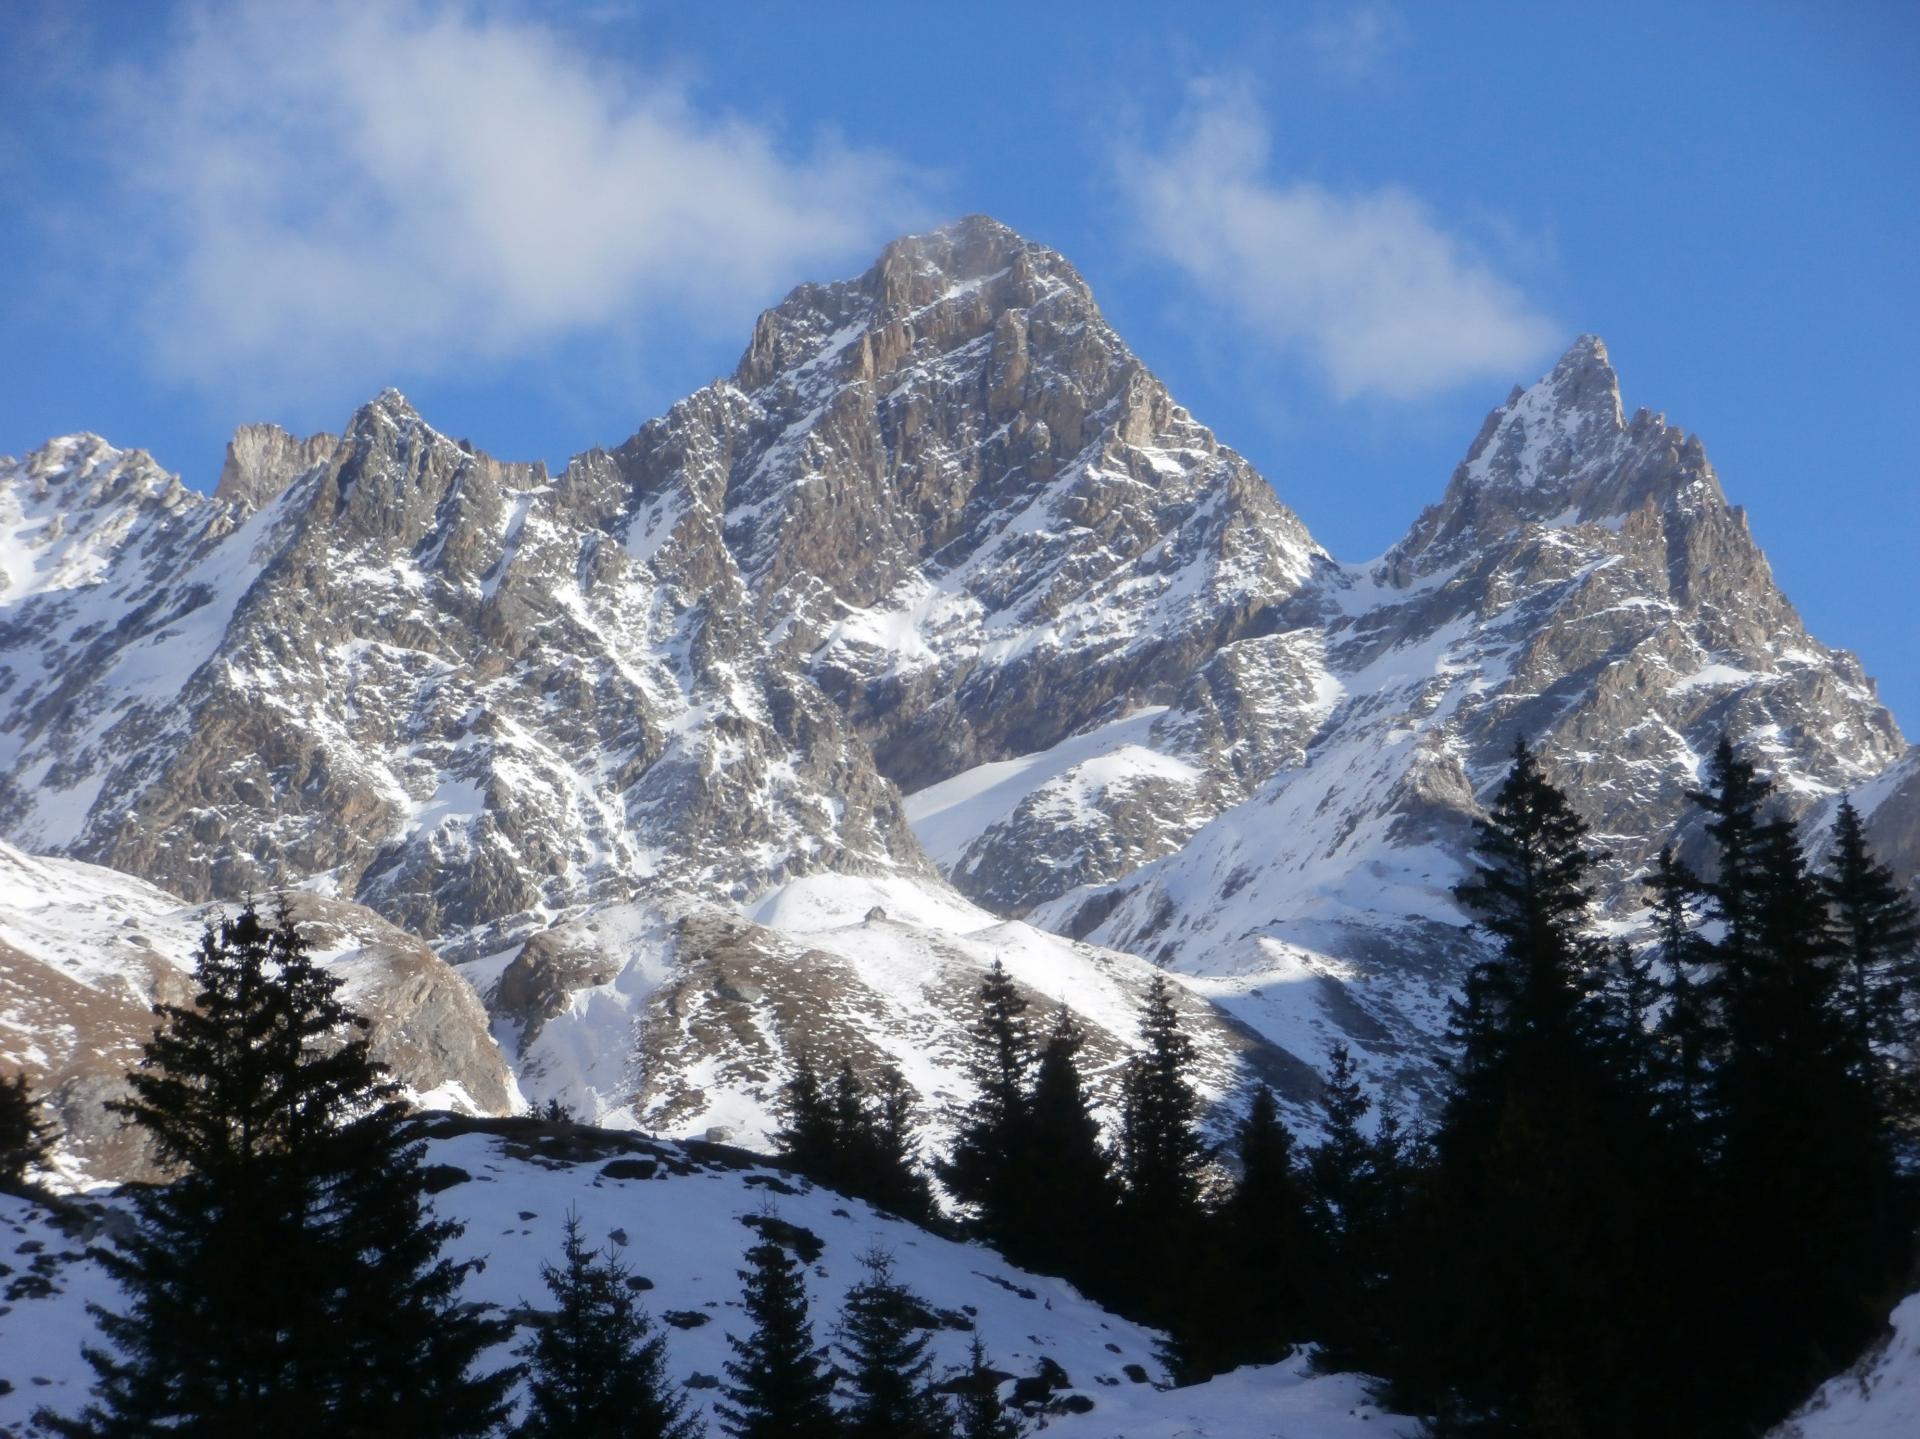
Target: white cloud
1354, 42
1365, 285
333, 191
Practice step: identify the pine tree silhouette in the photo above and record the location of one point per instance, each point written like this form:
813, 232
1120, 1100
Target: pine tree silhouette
26, 1137
1067, 1220
290, 1277
1803, 1147
1547, 1156
597, 1369
884, 1342
984, 1172
1160, 1153
1688, 1036
778, 1386
1262, 1251
859, 1143
1876, 934
978, 1412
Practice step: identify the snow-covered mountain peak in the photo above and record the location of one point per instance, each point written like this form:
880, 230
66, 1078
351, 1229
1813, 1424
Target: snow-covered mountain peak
1543, 436
70, 507
1559, 452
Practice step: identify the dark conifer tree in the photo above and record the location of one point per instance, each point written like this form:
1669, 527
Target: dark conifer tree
896, 1182
1545, 1201
1342, 1183
26, 1136
1160, 1153
978, 1412
1876, 935
809, 1137
1733, 801
1066, 1224
1632, 993
778, 1384
858, 1143
985, 1171
883, 1338
597, 1369
1688, 1036
290, 1276
1808, 1236
1534, 998
1258, 1274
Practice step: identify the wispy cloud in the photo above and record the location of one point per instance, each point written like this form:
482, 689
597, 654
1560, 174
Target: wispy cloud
1366, 285
336, 191
1354, 41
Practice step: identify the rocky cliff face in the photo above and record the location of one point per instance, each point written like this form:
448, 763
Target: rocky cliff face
465, 693
940, 591
1583, 584
973, 518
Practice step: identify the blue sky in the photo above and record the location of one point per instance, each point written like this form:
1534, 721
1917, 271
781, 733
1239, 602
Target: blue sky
1339, 231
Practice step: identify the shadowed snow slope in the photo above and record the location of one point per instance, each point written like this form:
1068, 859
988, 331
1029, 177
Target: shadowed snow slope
680, 1218
1879, 1398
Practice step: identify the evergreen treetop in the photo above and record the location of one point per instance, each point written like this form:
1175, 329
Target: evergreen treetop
978, 1412
291, 1276
778, 1386
597, 1369
1161, 1155
1876, 934
26, 1137
883, 1340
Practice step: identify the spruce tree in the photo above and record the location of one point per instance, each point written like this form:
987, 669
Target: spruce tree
1544, 1194
984, 1172
1261, 1255
1065, 1224
884, 1342
808, 1139
978, 1412
1631, 992
1342, 1189
858, 1143
1803, 1148
26, 1138
597, 1369
290, 1276
1876, 935
1160, 1153
777, 1385
1687, 1034
895, 1180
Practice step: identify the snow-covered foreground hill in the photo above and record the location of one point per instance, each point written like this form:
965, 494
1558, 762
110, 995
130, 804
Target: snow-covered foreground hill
681, 1217
1879, 1398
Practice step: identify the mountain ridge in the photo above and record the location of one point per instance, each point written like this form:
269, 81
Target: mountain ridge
939, 605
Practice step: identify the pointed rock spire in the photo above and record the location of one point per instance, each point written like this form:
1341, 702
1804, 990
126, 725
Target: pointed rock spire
262, 460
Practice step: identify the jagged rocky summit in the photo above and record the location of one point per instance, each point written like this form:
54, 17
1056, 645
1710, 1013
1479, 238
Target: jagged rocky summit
937, 633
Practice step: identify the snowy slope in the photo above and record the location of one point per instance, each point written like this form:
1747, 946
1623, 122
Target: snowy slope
676, 1217
86, 952
686, 1021
1879, 1398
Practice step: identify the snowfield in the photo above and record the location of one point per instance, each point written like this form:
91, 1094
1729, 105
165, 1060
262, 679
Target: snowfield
681, 1217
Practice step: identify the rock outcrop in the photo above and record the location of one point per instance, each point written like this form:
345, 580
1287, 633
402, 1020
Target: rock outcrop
938, 604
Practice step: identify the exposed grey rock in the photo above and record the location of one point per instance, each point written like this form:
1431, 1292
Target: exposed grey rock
939, 533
